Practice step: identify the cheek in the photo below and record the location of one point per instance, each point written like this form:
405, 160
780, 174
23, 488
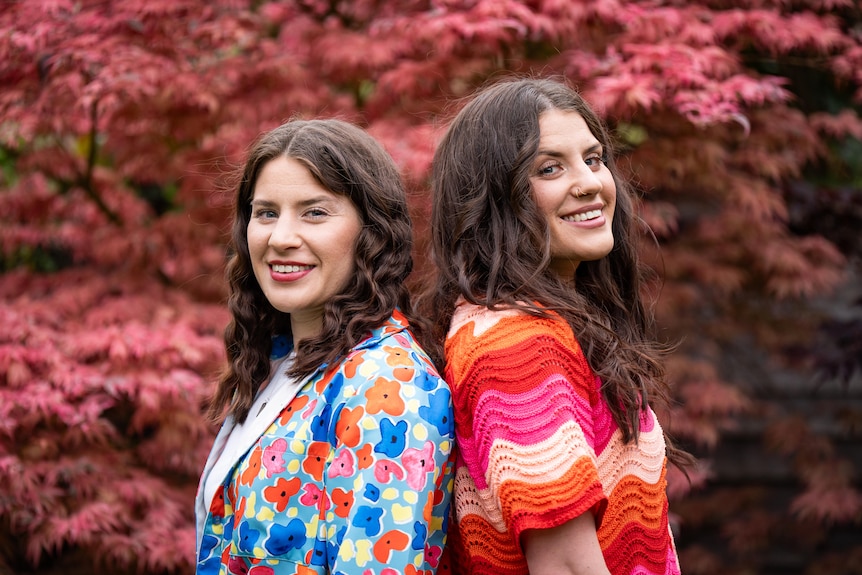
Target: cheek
543, 200
610, 192
343, 251
350, 239
255, 239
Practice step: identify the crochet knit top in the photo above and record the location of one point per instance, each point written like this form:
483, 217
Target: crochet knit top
537, 447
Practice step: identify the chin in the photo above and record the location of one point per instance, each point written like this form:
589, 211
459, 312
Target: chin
597, 252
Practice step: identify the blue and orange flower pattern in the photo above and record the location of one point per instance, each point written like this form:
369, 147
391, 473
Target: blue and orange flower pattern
353, 477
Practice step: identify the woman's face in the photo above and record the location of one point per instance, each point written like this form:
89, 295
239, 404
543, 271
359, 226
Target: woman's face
301, 238
574, 189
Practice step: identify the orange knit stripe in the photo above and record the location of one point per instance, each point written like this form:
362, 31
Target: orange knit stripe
488, 545
550, 504
635, 502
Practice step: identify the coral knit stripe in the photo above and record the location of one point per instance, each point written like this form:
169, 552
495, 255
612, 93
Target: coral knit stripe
638, 548
547, 503
490, 551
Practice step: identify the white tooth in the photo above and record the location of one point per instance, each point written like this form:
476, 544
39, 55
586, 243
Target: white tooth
285, 269
592, 214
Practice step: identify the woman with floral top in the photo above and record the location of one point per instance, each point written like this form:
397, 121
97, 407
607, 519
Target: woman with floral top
334, 455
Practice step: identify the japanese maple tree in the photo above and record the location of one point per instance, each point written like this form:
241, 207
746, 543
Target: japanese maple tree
121, 123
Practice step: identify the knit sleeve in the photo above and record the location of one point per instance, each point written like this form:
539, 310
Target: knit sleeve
524, 399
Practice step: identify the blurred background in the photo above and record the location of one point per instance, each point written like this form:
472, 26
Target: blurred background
122, 121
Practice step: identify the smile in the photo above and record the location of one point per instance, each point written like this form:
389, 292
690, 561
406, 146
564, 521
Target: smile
283, 269
590, 215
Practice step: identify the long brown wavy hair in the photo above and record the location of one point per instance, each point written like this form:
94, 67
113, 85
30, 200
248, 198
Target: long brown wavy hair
491, 244
347, 161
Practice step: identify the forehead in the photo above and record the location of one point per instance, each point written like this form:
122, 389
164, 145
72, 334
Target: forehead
563, 127
284, 176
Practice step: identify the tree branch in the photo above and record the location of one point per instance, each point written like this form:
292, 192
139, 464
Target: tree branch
86, 182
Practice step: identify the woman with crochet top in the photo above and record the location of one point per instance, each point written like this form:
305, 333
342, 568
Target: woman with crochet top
335, 455
561, 461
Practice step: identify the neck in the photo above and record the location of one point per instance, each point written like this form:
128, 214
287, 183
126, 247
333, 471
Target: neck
304, 326
565, 270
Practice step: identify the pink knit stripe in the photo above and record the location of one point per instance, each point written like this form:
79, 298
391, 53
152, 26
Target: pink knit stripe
604, 427
671, 566
532, 416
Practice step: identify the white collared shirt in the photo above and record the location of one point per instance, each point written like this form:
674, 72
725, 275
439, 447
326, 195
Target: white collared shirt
267, 405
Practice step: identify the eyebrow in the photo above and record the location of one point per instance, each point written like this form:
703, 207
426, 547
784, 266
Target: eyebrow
320, 199
556, 154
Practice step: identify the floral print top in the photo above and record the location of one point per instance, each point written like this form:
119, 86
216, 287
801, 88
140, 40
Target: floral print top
354, 476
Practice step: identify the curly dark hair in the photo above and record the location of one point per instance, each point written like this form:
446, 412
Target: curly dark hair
491, 244
347, 161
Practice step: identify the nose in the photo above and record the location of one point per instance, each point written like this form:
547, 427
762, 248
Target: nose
284, 235
584, 182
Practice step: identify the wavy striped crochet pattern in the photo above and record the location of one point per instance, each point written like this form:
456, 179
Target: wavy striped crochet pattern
538, 447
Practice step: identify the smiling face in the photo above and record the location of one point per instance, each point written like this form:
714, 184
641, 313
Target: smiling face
574, 189
301, 239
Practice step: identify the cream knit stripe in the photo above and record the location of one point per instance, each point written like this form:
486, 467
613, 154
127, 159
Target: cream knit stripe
540, 464
554, 456
471, 501
644, 460
543, 462
482, 319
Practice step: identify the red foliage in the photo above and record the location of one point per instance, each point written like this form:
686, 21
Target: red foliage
102, 435
120, 120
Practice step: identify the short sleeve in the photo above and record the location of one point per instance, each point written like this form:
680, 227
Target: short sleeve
524, 397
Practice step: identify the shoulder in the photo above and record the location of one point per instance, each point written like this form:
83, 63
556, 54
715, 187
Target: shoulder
513, 350
479, 328
390, 381
392, 352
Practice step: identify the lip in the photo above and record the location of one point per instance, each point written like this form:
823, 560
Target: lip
289, 276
